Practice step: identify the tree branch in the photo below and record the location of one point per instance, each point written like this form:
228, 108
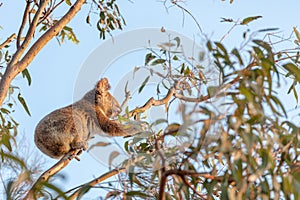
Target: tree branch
172, 93
8, 40
96, 181
62, 163
16, 67
24, 20
29, 35
152, 102
190, 186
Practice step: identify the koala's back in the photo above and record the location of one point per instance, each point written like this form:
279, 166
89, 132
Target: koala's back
60, 130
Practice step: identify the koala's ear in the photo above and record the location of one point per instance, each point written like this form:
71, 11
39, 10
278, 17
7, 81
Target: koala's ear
103, 85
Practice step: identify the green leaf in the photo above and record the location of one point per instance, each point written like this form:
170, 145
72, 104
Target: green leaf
5, 141
249, 19
263, 44
144, 84
22, 101
126, 146
43, 28
67, 28
4, 110
68, 2
237, 55
293, 69
25, 74
102, 15
177, 39
295, 94
137, 194
175, 58
83, 191
149, 57
209, 46
279, 104
87, 20
223, 19
55, 188
187, 71
259, 53
268, 30
158, 61
221, 47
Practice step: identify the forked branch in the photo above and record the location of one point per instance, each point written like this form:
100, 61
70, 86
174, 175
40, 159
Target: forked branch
16, 65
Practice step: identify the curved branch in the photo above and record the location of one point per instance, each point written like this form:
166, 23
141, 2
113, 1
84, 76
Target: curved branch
16, 66
62, 163
189, 13
96, 181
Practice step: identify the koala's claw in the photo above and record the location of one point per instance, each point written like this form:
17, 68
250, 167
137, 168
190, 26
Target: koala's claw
81, 146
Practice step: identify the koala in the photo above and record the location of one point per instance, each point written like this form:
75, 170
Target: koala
71, 127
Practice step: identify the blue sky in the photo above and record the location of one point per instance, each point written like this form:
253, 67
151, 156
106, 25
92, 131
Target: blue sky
55, 69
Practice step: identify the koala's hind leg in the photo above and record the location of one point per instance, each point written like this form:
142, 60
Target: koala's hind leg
79, 144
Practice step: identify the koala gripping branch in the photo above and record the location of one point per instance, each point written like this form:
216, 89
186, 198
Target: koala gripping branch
17, 65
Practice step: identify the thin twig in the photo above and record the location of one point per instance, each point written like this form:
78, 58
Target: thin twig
24, 19
127, 96
46, 15
189, 13
96, 181
8, 40
190, 186
228, 32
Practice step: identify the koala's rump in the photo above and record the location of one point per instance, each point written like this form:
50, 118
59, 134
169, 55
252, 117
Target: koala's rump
58, 130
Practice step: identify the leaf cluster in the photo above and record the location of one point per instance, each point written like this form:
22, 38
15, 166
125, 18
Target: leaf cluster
238, 143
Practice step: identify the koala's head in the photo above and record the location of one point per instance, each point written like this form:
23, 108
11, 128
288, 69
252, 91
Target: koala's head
105, 100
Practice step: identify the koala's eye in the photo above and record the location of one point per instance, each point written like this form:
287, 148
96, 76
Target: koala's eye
97, 92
